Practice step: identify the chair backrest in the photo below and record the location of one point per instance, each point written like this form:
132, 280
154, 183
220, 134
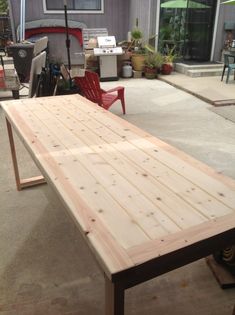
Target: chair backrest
90, 86
38, 63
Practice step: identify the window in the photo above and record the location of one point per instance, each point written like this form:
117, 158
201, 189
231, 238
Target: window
74, 6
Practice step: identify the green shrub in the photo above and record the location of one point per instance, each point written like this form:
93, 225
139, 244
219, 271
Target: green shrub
154, 60
3, 6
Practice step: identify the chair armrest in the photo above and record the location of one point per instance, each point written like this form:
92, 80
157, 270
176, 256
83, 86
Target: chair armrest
116, 89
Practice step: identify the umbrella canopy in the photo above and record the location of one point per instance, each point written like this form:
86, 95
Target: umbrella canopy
228, 2
183, 4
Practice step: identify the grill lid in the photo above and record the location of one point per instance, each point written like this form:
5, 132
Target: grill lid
106, 41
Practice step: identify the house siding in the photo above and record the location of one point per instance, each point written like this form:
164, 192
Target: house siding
115, 18
140, 9
226, 14
119, 17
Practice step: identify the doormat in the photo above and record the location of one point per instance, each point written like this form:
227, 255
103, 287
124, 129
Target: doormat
227, 112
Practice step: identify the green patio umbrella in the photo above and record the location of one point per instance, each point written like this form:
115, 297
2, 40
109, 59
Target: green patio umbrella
228, 2
183, 4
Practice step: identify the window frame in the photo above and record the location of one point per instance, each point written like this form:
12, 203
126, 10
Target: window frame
46, 11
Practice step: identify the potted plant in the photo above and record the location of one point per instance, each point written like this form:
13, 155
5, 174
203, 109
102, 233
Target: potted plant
136, 47
167, 66
138, 54
153, 62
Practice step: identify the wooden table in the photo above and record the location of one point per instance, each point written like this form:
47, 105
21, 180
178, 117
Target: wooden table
143, 207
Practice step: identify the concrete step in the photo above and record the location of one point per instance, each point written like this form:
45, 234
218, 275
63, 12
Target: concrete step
199, 66
203, 70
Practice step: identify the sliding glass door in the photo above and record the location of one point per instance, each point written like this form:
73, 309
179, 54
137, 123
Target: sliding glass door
187, 26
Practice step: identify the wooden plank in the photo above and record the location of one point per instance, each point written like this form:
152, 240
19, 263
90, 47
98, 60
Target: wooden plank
70, 122
114, 298
80, 179
21, 183
175, 258
110, 255
224, 277
82, 118
32, 181
227, 181
118, 187
224, 102
13, 155
183, 239
162, 197
95, 138
168, 176
193, 170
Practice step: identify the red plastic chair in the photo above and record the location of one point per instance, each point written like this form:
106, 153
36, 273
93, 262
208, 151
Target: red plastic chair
90, 88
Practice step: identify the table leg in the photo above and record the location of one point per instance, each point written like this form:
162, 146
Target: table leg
114, 298
21, 183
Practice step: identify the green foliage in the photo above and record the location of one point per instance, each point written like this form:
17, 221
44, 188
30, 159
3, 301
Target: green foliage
3, 6
136, 37
170, 54
149, 48
136, 34
154, 60
165, 32
138, 45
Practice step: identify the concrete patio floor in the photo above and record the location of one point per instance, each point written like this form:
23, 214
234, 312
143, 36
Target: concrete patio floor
46, 269
211, 89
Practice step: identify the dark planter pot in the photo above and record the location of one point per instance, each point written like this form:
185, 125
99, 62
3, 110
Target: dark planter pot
167, 68
150, 73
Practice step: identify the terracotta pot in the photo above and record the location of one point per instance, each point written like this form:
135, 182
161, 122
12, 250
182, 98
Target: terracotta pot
150, 73
138, 61
167, 68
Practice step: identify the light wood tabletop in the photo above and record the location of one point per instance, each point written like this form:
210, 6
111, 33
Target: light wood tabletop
143, 206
